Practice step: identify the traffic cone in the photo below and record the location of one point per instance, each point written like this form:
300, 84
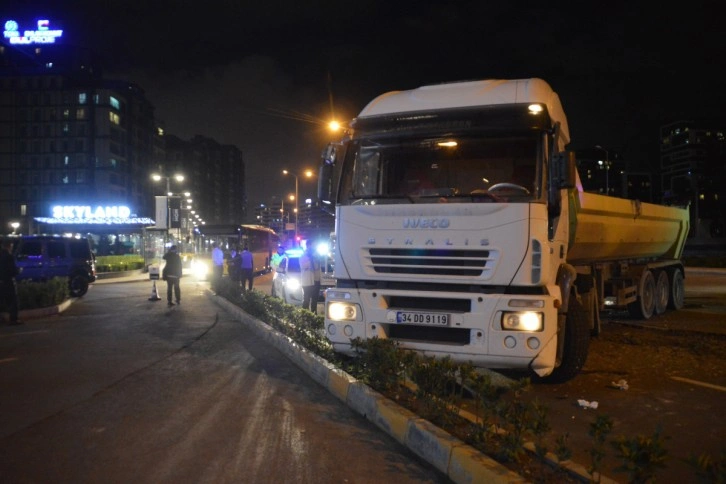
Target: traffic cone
154, 293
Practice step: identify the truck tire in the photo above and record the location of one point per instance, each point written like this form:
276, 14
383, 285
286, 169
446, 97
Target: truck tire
78, 285
577, 342
677, 291
643, 307
662, 292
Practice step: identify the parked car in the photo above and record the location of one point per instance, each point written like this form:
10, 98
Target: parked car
286, 280
43, 257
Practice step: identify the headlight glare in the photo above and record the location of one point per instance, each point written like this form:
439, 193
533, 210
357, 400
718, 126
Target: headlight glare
522, 321
340, 311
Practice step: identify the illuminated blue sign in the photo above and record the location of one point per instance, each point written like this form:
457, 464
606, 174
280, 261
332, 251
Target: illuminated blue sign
85, 211
43, 34
100, 214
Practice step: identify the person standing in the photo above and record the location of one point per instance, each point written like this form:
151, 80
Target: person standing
247, 269
317, 273
277, 257
307, 277
8, 289
217, 266
234, 265
172, 274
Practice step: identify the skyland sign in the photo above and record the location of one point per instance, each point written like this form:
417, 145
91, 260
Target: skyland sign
86, 212
98, 215
42, 35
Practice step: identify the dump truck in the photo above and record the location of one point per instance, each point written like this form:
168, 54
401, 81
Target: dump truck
463, 231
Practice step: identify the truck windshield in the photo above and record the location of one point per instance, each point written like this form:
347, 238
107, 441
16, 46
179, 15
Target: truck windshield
426, 170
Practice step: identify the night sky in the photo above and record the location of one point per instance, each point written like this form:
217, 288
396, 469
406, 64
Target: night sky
265, 76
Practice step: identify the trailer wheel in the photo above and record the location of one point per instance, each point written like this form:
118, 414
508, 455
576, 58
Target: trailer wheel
678, 291
577, 342
662, 292
643, 307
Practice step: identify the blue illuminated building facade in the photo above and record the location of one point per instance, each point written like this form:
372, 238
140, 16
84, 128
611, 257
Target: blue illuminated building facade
70, 138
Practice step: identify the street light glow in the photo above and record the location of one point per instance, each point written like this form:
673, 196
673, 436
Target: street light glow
307, 173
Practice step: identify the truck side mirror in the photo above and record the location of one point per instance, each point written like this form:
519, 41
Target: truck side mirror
326, 175
325, 183
563, 174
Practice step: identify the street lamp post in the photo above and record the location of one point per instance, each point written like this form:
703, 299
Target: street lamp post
607, 168
158, 177
308, 173
286, 172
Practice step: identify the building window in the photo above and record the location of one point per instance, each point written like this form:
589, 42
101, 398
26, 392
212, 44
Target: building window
82, 97
114, 103
114, 118
66, 160
66, 113
81, 113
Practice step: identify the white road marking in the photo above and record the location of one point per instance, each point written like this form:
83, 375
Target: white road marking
700, 383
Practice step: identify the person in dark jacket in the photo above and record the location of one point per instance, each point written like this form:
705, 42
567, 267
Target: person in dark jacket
172, 274
8, 289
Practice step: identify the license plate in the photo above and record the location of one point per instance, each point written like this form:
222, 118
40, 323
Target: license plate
410, 317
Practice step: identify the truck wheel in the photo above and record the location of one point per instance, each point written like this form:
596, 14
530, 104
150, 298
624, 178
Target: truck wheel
78, 285
662, 292
643, 307
577, 342
678, 291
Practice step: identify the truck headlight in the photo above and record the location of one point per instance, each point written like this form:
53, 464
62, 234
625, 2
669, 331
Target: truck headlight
342, 311
522, 321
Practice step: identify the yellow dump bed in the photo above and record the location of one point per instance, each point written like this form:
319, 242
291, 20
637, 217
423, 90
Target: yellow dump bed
606, 228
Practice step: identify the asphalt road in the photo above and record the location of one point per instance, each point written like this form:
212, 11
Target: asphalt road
122, 389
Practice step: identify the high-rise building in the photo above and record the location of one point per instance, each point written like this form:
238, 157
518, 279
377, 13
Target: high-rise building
74, 147
77, 152
693, 171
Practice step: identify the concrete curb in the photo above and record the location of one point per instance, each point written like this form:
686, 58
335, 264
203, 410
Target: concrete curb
39, 312
454, 458
118, 274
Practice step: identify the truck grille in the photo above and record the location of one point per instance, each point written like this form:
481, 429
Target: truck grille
429, 262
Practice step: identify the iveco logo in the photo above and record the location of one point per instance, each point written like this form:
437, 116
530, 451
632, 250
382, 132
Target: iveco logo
426, 223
